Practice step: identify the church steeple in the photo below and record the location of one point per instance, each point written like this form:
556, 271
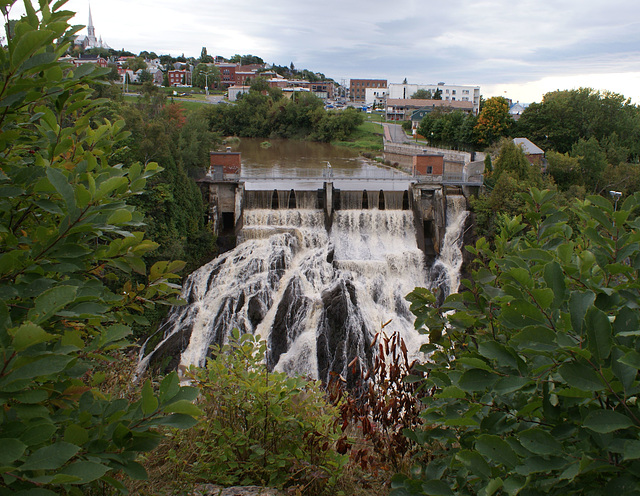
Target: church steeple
91, 31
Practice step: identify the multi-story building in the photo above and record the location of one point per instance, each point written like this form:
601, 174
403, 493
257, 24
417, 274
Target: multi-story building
358, 87
227, 74
179, 77
448, 92
376, 96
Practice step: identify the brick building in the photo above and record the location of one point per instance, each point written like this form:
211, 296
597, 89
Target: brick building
428, 164
358, 87
177, 77
225, 162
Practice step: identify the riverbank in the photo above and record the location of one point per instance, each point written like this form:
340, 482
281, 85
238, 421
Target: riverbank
366, 138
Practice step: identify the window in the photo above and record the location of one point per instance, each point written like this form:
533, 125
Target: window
429, 169
453, 92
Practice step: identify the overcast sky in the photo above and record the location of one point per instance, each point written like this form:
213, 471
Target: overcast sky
515, 48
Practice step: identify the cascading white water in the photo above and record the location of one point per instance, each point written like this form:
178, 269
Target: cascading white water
446, 269
316, 298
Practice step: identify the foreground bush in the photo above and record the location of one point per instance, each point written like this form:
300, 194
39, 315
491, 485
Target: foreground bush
535, 366
259, 427
69, 248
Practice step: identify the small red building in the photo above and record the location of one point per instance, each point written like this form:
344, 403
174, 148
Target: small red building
427, 164
228, 162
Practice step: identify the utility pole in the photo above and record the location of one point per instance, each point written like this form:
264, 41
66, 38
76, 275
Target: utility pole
206, 83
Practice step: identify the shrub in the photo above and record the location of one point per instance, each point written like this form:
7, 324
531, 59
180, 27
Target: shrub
535, 366
68, 249
259, 427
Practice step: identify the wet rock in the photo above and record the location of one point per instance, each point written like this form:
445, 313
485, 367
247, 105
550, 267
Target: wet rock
289, 321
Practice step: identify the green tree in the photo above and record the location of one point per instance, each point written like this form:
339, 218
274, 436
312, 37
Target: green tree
564, 169
135, 64
246, 59
564, 117
437, 95
422, 94
593, 163
145, 76
204, 74
494, 121
72, 278
534, 371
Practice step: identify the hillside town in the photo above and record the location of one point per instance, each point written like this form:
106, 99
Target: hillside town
401, 101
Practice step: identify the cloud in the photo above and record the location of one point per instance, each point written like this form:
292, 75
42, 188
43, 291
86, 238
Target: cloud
486, 42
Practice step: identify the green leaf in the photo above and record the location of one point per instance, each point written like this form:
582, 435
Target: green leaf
632, 359
183, 406
606, 421
27, 44
506, 385
539, 441
12, 449
49, 302
120, 216
451, 392
520, 313
496, 449
85, 471
581, 376
491, 488
29, 334
475, 463
554, 277
169, 387
579, 303
149, 401
62, 186
50, 457
476, 380
75, 434
475, 363
41, 366
436, 488
631, 450
177, 421
534, 338
135, 471
599, 333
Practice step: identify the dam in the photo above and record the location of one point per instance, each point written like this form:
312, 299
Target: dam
318, 266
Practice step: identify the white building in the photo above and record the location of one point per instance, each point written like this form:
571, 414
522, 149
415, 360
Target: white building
376, 96
451, 92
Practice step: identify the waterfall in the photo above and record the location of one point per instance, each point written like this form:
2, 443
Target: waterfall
317, 298
445, 273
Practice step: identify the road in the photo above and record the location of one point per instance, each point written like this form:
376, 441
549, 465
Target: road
395, 133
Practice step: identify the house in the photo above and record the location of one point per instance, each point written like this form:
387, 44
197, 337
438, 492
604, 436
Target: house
534, 154
179, 77
358, 87
90, 59
158, 76
448, 92
516, 110
401, 109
